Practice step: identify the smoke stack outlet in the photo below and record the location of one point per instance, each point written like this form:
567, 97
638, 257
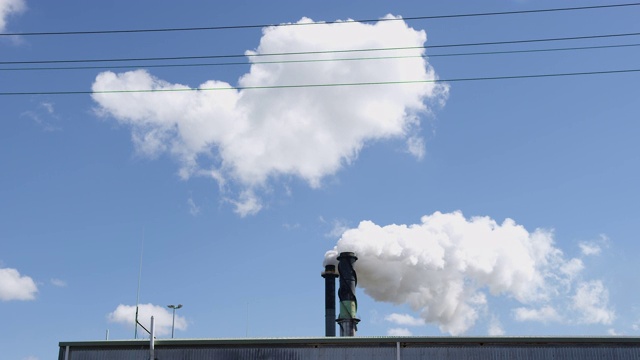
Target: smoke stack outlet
330, 274
347, 319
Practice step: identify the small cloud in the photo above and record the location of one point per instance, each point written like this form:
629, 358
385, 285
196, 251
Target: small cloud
31, 358
613, 332
544, 315
399, 332
193, 208
594, 247
288, 226
247, 204
126, 315
338, 228
592, 302
42, 116
58, 283
495, 327
404, 319
14, 286
416, 147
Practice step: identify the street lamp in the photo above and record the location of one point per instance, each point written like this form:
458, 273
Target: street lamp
173, 323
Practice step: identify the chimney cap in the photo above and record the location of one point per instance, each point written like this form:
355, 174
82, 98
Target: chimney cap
347, 254
329, 270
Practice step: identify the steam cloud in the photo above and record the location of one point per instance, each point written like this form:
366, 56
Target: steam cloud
250, 136
445, 266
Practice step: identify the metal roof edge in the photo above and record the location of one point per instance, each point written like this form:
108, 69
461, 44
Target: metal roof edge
363, 340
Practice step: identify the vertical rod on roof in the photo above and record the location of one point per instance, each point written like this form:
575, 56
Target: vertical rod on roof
152, 336
135, 334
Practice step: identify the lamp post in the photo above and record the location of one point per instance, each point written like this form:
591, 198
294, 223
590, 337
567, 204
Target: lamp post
173, 322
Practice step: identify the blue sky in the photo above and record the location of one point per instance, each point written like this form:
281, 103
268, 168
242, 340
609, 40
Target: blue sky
238, 194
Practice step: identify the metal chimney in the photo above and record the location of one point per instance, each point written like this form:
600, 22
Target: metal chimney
347, 293
329, 274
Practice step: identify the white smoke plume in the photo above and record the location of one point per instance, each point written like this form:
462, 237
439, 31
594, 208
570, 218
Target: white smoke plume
8, 8
162, 318
250, 136
446, 266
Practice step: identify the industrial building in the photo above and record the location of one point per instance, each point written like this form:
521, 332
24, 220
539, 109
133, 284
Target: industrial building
369, 348
349, 346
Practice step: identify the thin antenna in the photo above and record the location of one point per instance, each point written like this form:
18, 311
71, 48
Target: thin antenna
135, 335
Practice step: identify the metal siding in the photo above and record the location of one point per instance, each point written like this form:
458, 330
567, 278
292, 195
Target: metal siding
361, 348
524, 352
108, 354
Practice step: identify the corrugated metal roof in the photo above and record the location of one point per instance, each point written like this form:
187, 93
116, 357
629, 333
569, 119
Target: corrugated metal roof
405, 348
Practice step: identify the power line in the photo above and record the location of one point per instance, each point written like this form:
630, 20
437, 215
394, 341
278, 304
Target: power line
230, 27
293, 86
225, 56
138, 66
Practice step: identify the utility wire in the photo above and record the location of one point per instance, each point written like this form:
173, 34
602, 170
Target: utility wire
224, 56
293, 86
140, 66
229, 27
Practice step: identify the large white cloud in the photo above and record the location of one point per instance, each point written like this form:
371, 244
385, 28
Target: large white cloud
14, 286
252, 135
10, 7
445, 266
162, 318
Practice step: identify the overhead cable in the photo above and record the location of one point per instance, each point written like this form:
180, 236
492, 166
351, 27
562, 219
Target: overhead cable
150, 66
250, 26
224, 56
293, 86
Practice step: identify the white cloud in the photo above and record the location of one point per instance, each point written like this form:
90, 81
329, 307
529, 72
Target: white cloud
30, 358
399, 332
193, 208
495, 327
252, 136
14, 286
545, 314
58, 283
8, 8
591, 300
613, 332
125, 314
338, 227
594, 247
416, 147
404, 319
445, 266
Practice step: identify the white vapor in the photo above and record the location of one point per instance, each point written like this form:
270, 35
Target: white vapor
14, 286
445, 266
126, 315
8, 8
404, 319
399, 332
250, 136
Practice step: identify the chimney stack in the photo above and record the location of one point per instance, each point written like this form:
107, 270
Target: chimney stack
347, 292
329, 274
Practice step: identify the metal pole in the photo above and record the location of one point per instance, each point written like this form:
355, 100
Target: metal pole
152, 345
173, 322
